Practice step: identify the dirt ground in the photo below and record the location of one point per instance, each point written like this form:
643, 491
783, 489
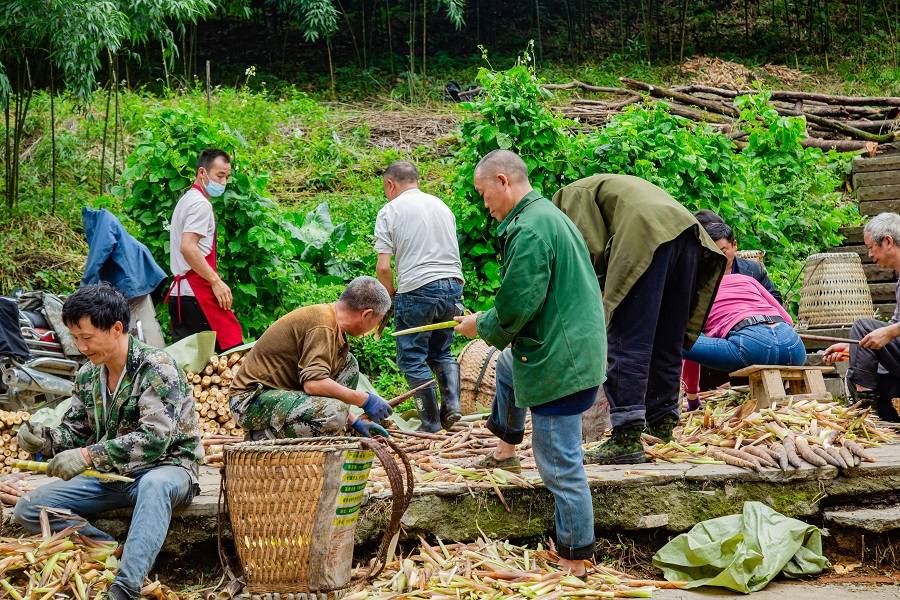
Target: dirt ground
792, 591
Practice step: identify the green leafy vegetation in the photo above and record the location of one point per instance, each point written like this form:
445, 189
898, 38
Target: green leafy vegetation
777, 195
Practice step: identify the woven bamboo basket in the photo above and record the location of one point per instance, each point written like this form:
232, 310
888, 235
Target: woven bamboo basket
835, 291
756, 255
293, 506
477, 377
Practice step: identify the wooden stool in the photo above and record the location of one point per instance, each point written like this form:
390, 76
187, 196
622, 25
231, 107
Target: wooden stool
767, 383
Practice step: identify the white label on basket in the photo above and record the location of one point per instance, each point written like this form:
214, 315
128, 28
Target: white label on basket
354, 476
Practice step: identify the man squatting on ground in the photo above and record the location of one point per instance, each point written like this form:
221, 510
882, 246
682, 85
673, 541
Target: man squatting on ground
874, 372
419, 231
132, 414
299, 379
548, 309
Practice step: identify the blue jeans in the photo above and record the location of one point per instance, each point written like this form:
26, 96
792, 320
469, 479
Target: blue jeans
432, 303
153, 495
754, 345
556, 442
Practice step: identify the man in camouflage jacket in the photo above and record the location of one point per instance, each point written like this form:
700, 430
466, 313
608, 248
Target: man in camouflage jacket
131, 414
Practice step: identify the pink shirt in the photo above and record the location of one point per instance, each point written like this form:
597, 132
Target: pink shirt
739, 297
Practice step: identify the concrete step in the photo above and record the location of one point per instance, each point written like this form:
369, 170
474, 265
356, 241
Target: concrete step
852, 235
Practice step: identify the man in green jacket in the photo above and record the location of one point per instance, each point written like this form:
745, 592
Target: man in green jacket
659, 271
548, 310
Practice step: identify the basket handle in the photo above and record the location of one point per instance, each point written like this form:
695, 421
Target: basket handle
401, 496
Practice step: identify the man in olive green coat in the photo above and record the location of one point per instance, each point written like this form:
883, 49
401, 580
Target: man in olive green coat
659, 271
548, 310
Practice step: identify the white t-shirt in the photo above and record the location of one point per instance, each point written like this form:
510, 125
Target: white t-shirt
420, 231
193, 214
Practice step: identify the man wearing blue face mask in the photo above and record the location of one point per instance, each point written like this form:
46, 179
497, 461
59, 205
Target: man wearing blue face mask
199, 300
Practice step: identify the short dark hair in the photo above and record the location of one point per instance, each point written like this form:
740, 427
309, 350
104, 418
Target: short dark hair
707, 216
720, 231
101, 303
209, 155
402, 171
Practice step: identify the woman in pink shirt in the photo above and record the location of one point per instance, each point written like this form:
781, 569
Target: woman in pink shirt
746, 326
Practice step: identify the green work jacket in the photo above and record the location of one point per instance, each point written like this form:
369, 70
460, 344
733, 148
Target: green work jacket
548, 305
624, 219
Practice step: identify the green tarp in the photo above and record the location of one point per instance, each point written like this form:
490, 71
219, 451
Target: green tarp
743, 552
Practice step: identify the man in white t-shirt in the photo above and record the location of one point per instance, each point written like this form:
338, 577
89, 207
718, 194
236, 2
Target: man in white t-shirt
419, 231
199, 299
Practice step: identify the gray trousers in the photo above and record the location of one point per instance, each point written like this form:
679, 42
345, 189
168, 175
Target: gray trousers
868, 366
143, 311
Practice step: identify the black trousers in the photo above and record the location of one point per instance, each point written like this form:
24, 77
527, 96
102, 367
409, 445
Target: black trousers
646, 333
192, 318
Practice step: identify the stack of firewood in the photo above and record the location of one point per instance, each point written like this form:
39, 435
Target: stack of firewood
9, 449
210, 388
844, 123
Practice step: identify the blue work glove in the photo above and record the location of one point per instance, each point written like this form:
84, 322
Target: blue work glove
67, 464
376, 407
368, 428
30, 437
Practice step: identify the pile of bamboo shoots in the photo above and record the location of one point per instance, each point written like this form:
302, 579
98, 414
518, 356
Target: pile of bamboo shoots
9, 449
499, 569
60, 565
210, 388
731, 429
63, 565
448, 457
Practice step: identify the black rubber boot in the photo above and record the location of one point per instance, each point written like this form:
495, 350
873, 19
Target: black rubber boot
447, 375
427, 405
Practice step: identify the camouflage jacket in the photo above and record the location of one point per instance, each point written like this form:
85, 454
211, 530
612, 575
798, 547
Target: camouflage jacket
150, 419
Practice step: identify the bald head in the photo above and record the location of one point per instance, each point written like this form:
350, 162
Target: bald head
501, 178
503, 161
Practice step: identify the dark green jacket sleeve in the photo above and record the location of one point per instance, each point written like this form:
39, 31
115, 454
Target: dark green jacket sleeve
523, 288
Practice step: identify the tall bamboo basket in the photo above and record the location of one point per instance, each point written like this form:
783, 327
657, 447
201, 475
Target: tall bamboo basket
293, 506
477, 376
835, 291
756, 255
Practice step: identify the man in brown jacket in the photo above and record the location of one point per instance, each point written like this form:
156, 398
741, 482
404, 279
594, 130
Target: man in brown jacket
659, 271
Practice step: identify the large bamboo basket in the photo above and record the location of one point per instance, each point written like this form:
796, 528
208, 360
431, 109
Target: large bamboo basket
835, 291
477, 377
293, 506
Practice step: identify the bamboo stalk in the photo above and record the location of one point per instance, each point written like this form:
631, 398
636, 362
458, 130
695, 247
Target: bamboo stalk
41, 467
423, 328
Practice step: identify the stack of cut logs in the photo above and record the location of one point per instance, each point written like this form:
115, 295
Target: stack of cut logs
845, 123
211, 387
9, 449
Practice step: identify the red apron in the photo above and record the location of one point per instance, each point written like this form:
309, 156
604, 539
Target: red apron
223, 322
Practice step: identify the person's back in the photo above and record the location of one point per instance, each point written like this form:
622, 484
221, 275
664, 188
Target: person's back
304, 344
420, 231
739, 297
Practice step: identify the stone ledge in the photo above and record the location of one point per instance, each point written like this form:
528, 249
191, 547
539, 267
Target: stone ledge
669, 497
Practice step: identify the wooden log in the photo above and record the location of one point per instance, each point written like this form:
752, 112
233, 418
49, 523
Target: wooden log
877, 206
877, 163
878, 274
871, 178
790, 95
883, 292
840, 145
662, 92
575, 84
878, 192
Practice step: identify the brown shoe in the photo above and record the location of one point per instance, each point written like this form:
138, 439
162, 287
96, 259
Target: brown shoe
490, 461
